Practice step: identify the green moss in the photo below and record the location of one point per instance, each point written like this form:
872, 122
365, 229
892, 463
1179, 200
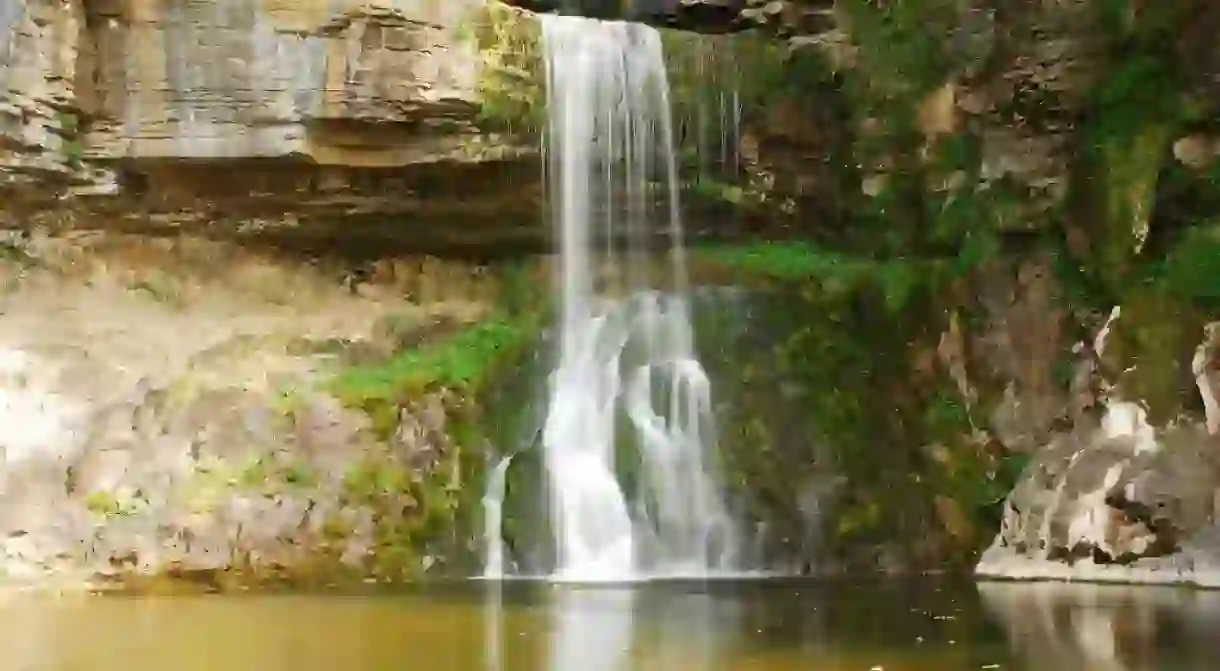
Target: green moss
902, 45
1187, 274
722, 191
788, 261
831, 271
462, 362
427, 513
69, 128
1163, 314
1135, 114
423, 515
109, 504
400, 500
266, 472
1156, 334
847, 385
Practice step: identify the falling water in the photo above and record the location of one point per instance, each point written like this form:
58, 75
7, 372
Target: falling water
629, 433
493, 516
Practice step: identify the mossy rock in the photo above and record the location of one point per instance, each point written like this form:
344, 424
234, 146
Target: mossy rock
827, 390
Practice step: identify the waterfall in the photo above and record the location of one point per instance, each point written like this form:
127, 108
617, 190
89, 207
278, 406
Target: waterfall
627, 393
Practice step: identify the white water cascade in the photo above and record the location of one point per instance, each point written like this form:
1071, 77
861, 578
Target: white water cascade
629, 432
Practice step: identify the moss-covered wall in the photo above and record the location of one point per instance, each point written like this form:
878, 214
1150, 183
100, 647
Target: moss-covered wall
843, 431
1000, 178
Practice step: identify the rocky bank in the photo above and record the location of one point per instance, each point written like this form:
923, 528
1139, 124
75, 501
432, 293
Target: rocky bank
227, 358
196, 409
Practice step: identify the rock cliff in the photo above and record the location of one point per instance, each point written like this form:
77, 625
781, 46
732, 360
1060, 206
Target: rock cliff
273, 119
1003, 181
194, 409
193, 195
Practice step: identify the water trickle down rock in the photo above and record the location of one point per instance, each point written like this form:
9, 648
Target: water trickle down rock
1119, 501
1205, 366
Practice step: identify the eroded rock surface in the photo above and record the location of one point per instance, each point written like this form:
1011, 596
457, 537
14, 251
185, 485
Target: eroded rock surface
166, 410
256, 117
1120, 503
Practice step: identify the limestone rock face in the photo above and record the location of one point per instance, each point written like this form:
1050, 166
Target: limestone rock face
38, 43
235, 79
235, 110
707, 16
1120, 503
1132, 498
167, 408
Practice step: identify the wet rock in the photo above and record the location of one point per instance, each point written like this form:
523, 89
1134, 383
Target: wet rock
1021, 341
1112, 505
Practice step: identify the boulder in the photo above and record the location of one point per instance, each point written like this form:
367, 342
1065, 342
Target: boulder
1116, 503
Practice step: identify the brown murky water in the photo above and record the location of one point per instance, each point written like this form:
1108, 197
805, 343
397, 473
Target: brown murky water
764, 626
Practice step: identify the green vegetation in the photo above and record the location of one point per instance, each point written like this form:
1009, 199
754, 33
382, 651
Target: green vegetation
832, 272
425, 504
461, 363
267, 470
902, 47
850, 386
1188, 272
69, 128
859, 311
1137, 114
109, 504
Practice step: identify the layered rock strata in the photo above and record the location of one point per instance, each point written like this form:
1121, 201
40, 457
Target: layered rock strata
294, 120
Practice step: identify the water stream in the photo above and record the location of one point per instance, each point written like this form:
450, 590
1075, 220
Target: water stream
625, 343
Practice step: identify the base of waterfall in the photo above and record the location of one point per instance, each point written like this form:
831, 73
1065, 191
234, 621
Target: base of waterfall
675, 576
628, 383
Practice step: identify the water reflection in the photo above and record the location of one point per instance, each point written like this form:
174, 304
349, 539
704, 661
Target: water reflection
761, 626
591, 629
1108, 627
610, 628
